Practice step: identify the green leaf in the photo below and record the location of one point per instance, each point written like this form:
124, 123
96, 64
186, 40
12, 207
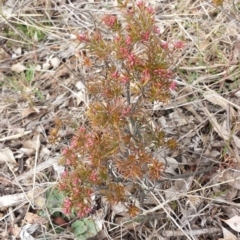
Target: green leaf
84, 229
79, 227
55, 198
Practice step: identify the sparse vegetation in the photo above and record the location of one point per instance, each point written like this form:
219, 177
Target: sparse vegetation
117, 143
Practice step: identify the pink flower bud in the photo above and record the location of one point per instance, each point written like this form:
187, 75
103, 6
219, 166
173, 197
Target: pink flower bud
124, 79
82, 38
128, 40
109, 20
173, 85
115, 74
164, 45
145, 36
65, 151
156, 30
178, 44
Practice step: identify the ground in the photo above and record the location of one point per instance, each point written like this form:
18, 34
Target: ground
42, 95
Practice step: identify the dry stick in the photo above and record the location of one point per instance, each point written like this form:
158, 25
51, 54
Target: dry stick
215, 185
189, 174
35, 161
16, 136
178, 233
215, 200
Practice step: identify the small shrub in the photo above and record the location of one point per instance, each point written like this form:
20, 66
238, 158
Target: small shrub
117, 143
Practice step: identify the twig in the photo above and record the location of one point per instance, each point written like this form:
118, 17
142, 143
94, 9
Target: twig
185, 175
16, 136
178, 233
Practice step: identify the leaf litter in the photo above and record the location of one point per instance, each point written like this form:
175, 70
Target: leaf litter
202, 176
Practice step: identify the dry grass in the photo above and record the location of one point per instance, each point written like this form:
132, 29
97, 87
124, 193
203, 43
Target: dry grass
200, 187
